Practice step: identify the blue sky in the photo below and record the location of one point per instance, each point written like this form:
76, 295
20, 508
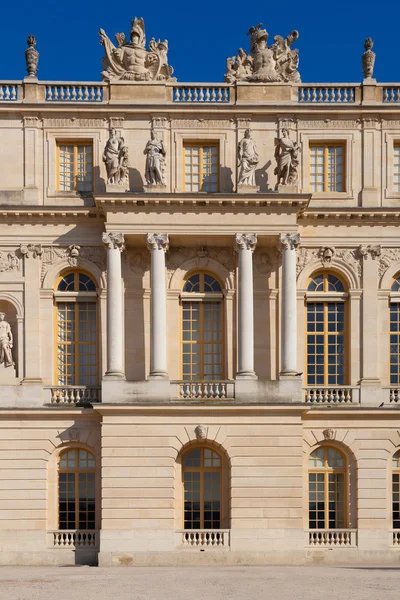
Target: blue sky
201, 35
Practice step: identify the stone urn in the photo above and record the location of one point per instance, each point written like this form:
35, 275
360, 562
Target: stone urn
368, 59
31, 57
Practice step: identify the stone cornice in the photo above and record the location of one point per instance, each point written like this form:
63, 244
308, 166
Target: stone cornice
354, 214
44, 214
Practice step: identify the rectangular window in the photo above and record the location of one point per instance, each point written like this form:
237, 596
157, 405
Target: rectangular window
76, 343
396, 168
395, 343
201, 168
202, 341
75, 167
326, 500
327, 167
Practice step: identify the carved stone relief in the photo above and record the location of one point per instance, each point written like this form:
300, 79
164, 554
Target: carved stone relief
326, 255
329, 124
139, 262
200, 432
203, 123
329, 434
31, 250
177, 256
369, 252
387, 258
264, 262
73, 122
73, 254
9, 261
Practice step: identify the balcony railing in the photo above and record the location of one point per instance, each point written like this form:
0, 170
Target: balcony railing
74, 538
72, 92
74, 393
205, 538
327, 94
9, 91
331, 538
394, 394
395, 537
391, 94
344, 394
198, 92
193, 390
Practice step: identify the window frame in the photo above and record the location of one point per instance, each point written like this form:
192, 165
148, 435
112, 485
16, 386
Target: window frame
396, 148
203, 297
72, 298
201, 470
77, 470
201, 144
327, 297
326, 471
326, 145
75, 142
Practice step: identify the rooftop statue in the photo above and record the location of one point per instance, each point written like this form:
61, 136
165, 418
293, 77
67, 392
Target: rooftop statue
265, 64
131, 61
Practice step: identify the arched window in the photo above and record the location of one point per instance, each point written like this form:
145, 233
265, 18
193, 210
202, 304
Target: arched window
202, 479
76, 490
76, 330
394, 309
327, 489
396, 490
326, 348
202, 329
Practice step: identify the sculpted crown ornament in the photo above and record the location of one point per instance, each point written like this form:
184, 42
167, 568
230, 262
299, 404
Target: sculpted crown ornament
131, 61
289, 241
157, 241
114, 241
266, 64
246, 241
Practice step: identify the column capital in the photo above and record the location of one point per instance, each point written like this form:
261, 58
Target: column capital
288, 241
114, 241
157, 241
245, 241
373, 251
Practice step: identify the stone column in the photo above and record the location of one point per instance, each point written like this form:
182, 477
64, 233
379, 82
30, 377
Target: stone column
158, 244
288, 244
245, 246
115, 245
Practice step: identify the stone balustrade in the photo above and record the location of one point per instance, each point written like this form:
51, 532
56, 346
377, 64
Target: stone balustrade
394, 394
391, 93
73, 394
9, 91
74, 538
192, 390
395, 537
205, 538
344, 394
327, 94
74, 92
331, 538
198, 92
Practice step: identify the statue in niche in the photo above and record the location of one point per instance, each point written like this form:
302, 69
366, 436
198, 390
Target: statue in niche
131, 61
155, 160
287, 159
247, 160
265, 64
6, 342
115, 157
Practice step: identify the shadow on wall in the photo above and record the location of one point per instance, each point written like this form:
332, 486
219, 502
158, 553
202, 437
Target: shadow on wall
226, 180
135, 180
262, 178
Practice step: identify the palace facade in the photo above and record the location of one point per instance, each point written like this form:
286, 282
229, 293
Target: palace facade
200, 314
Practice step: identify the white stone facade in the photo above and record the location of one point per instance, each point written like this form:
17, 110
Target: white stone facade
139, 246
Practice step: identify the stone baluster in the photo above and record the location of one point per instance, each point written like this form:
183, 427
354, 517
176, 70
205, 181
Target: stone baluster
115, 245
158, 244
288, 244
245, 246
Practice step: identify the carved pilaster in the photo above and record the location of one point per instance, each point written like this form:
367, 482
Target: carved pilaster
246, 241
114, 241
158, 241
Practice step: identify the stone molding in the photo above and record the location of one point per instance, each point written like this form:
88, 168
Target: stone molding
114, 241
245, 241
157, 241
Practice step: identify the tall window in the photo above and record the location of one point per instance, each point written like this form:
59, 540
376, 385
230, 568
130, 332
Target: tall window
327, 489
326, 331
202, 477
201, 168
394, 348
396, 490
396, 168
202, 329
76, 490
327, 167
75, 166
76, 310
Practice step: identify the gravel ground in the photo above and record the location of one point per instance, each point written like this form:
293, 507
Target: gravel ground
200, 583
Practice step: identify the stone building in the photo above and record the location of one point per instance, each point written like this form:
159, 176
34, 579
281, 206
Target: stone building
199, 313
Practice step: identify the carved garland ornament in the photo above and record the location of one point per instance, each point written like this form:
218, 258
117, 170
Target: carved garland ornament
73, 254
387, 258
326, 255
